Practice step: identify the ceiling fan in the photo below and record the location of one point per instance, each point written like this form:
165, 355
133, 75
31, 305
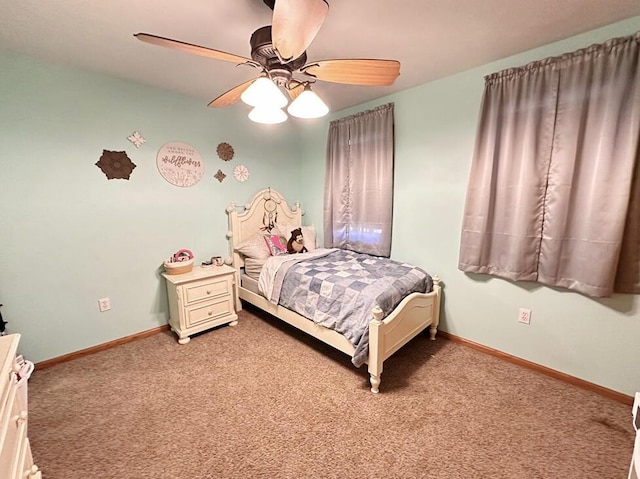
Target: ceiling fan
279, 52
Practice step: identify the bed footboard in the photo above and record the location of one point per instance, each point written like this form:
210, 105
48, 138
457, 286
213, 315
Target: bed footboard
414, 314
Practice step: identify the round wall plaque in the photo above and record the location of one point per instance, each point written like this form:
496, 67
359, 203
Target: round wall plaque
180, 164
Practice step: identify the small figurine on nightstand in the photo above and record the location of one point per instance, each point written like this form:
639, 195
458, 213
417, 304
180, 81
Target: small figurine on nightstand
3, 331
214, 261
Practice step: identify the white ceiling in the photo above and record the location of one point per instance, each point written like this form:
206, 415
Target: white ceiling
431, 38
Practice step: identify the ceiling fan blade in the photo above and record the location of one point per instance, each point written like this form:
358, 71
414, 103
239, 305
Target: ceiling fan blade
354, 71
295, 25
190, 48
231, 96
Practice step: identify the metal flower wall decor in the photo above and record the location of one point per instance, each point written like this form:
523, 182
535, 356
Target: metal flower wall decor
225, 151
220, 176
115, 164
137, 139
241, 173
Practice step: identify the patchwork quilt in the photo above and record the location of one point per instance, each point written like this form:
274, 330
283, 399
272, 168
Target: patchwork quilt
338, 289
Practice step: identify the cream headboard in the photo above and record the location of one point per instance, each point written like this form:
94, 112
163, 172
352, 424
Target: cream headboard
265, 209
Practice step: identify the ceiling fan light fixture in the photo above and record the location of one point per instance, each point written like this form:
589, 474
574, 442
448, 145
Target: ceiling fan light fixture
263, 93
267, 115
308, 105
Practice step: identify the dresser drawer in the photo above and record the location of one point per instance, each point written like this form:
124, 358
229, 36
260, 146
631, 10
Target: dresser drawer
209, 311
7, 394
11, 459
7, 406
25, 467
202, 290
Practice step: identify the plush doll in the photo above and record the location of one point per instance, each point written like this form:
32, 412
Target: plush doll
296, 242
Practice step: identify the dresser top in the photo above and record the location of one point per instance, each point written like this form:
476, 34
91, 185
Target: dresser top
8, 347
199, 272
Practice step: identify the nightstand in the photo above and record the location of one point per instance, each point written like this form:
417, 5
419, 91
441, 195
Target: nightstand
201, 299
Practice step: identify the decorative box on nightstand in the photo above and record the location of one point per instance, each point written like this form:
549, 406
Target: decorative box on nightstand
201, 299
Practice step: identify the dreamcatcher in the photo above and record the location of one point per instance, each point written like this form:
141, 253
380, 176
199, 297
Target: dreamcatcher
270, 216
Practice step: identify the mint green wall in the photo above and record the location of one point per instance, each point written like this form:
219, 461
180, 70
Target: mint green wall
596, 340
69, 236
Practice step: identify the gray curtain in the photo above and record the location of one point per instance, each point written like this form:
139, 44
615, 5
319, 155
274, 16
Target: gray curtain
358, 198
551, 182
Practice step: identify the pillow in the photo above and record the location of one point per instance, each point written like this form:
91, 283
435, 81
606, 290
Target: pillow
308, 232
253, 266
253, 247
277, 244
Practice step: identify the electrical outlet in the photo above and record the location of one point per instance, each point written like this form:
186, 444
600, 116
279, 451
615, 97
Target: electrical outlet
524, 316
104, 304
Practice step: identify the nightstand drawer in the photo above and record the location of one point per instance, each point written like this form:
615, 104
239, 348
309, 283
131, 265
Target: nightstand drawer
210, 311
204, 290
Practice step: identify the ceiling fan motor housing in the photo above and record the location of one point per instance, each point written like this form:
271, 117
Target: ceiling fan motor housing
263, 52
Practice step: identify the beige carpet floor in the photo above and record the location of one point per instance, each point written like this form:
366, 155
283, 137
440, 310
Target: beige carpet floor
262, 400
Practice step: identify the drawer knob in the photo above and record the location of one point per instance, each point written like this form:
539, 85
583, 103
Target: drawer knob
208, 291
34, 473
210, 313
22, 417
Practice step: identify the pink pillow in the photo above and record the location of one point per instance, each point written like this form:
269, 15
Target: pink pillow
277, 244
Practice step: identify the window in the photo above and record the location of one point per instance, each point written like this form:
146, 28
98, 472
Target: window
553, 189
358, 198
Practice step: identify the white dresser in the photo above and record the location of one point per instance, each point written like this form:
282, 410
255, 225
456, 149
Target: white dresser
201, 299
634, 470
15, 452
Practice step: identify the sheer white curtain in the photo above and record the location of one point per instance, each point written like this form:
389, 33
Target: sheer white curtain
358, 197
549, 195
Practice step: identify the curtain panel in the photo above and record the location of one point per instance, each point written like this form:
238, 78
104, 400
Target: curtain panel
358, 197
553, 193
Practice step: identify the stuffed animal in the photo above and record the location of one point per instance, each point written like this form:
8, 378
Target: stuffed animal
296, 242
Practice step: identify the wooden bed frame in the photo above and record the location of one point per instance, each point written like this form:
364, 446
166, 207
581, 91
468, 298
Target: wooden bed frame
415, 313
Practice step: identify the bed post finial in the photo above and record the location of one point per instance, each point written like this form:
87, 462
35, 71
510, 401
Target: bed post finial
377, 314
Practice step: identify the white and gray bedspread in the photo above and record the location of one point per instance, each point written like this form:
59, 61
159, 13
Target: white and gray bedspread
338, 289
